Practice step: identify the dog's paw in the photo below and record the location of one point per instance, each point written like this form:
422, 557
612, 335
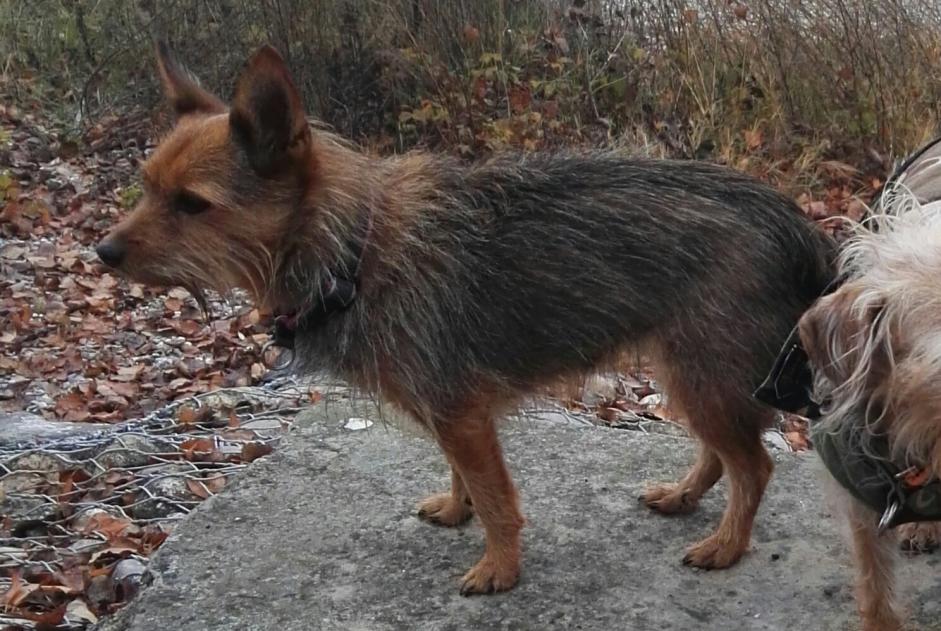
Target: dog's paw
489, 576
919, 538
713, 554
668, 499
444, 509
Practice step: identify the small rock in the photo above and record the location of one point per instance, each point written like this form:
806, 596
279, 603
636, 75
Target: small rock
36, 462
230, 400
27, 508
775, 440
356, 424
652, 400
131, 450
81, 521
154, 508
23, 427
78, 610
172, 487
127, 576
27, 481
55, 184
599, 388
100, 592
167, 491
128, 568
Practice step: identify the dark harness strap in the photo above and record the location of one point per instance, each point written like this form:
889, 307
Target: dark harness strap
900, 493
790, 384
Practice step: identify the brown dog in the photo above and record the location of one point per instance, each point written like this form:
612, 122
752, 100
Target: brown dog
455, 290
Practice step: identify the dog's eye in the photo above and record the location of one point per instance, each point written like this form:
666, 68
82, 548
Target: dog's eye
190, 204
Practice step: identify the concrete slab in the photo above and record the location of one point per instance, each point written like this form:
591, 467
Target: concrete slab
323, 535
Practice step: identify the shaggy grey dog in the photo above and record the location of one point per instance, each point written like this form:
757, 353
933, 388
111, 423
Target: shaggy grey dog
875, 346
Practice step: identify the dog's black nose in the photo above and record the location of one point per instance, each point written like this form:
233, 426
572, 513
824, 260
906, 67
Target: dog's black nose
111, 252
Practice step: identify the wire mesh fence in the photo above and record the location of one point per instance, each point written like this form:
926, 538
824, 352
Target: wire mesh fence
82, 514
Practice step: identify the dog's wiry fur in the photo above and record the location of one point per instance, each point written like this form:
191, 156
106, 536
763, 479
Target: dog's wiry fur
479, 284
875, 345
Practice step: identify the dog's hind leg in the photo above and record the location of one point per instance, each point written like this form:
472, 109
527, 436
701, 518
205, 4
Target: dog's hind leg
748, 467
733, 433
472, 446
448, 509
873, 556
683, 497
748, 474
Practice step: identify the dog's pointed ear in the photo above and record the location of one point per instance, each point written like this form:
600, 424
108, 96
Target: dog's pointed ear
181, 89
267, 116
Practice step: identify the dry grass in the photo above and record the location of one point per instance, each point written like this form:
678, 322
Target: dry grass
777, 87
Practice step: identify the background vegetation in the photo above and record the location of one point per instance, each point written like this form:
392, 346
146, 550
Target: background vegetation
801, 92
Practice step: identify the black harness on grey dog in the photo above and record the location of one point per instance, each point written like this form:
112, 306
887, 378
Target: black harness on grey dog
900, 493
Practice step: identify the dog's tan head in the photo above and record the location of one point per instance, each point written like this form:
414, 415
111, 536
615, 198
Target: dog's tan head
875, 346
220, 189
843, 340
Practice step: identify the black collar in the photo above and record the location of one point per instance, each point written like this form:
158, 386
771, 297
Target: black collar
338, 289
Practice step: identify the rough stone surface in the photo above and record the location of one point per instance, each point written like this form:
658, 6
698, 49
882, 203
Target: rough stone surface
23, 427
323, 535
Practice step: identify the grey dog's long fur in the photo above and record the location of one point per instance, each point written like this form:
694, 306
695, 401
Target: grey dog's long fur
515, 271
875, 345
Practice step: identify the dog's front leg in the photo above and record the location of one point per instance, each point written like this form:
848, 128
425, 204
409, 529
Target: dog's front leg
473, 449
875, 579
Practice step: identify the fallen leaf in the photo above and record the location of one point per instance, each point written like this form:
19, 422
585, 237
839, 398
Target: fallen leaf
108, 526
47, 619
201, 449
254, 451
117, 547
207, 487
17, 592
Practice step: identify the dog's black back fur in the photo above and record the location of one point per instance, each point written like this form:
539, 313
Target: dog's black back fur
520, 270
